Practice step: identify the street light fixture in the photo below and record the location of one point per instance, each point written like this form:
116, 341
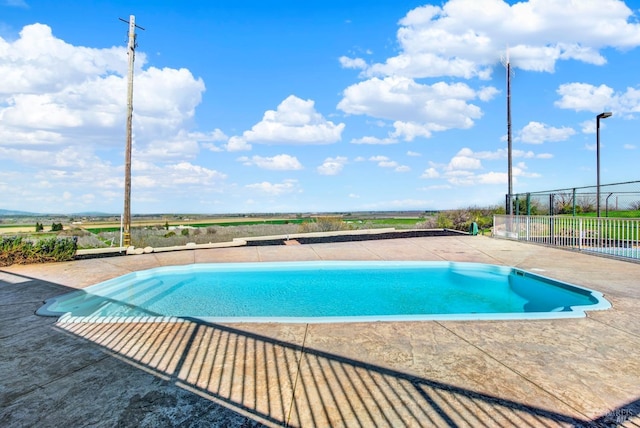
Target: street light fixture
603, 115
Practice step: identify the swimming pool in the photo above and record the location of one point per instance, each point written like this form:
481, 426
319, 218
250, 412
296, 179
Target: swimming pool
326, 292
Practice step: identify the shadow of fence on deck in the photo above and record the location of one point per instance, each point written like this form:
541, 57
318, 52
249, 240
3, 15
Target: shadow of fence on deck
280, 383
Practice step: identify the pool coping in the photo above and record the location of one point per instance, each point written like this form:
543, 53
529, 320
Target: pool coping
575, 311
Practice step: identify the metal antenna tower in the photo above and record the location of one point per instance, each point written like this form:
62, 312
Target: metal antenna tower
509, 207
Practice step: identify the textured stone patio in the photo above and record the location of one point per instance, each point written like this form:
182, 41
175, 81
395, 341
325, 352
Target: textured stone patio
567, 372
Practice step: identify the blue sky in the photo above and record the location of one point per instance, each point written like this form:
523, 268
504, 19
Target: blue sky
312, 106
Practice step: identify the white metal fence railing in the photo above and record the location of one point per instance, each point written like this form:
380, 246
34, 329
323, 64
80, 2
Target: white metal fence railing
619, 237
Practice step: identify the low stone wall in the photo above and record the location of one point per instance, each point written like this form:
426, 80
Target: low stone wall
301, 238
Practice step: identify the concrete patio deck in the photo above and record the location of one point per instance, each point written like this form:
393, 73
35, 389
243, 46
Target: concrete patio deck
567, 372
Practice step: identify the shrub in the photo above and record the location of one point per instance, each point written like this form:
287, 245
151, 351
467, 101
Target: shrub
184, 232
428, 223
15, 250
324, 224
462, 219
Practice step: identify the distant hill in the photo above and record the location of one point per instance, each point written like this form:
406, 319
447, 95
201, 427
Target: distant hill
12, 213
16, 213
92, 214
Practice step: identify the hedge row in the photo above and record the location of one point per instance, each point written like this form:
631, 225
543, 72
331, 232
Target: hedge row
15, 250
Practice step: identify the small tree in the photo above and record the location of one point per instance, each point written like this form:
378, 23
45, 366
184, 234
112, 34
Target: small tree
444, 221
324, 224
39, 227
56, 227
587, 203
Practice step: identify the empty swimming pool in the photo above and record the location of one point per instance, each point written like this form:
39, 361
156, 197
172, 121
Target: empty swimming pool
326, 292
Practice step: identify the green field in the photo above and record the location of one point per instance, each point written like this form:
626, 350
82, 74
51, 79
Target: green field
613, 214
377, 222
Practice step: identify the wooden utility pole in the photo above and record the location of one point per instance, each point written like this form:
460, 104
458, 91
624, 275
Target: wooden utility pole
131, 51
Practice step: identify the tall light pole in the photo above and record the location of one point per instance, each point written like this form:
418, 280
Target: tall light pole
603, 115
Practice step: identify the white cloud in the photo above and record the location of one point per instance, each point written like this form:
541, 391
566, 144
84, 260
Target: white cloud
38, 62
183, 145
629, 146
187, 173
294, 122
487, 93
584, 97
538, 133
492, 178
78, 93
588, 126
357, 63
430, 173
378, 158
277, 163
287, 186
236, 144
374, 140
596, 99
465, 38
332, 166
464, 169
388, 164
499, 154
413, 154
520, 170
385, 162
410, 130
462, 162
417, 109
62, 115
436, 187
173, 176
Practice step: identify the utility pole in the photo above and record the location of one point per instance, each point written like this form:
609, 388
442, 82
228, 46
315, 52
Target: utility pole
131, 51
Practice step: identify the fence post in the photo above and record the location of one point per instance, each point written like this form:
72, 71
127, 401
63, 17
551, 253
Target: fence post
581, 233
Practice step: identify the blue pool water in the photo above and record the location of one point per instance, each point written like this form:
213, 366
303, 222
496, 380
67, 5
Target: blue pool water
326, 291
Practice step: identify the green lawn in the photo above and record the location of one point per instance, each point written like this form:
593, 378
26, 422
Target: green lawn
613, 214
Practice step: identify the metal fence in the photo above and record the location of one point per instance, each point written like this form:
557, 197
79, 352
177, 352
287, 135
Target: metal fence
617, 237
617, 197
